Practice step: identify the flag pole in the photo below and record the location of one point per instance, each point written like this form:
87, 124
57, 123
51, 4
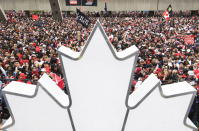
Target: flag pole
81, 6
158, 4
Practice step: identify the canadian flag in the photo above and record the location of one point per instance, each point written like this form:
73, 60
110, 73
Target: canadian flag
166, 15
35, 17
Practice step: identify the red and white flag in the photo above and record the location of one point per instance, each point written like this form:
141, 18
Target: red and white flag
189, 39
35, 17
166, 15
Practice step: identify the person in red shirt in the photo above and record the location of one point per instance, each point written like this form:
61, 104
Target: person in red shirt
22, 78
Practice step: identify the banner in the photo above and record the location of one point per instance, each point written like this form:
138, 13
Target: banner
82, 18
81, 2
189, 39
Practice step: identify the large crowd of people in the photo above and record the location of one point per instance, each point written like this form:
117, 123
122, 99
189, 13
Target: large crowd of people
28, 47
163, 50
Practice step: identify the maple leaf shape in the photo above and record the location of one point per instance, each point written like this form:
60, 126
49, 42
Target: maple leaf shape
34, 108
154, 107
97, 84
98, 79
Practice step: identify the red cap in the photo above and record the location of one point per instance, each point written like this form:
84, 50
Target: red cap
22, 75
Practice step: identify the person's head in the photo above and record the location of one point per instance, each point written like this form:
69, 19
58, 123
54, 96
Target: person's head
16, 64
174, 72
22, 76
7, 53
45, 58
24, 57
46, 65
35, 78
34, 69
12, 58
15, 46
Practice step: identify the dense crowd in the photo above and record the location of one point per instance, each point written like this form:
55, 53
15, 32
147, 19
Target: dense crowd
163, 50
28, 47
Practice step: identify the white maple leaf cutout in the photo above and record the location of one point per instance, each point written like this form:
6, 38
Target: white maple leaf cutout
98, 79
41, 107
154, 107
97, 82
97, 97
